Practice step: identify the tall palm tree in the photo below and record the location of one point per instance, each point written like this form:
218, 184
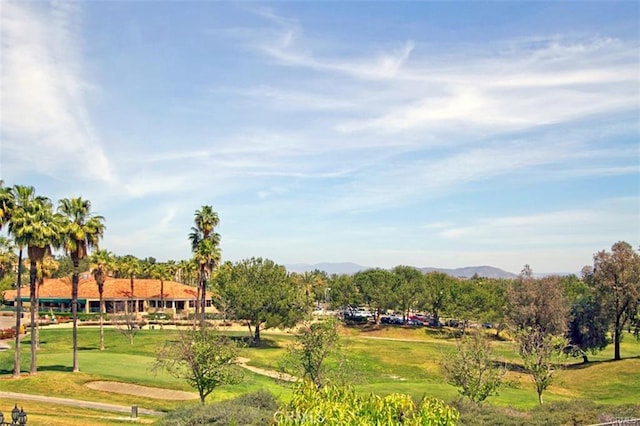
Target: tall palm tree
101, 265
82, 232
34, 225
204, 245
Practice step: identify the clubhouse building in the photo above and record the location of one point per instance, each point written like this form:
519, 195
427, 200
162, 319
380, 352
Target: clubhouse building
149, 295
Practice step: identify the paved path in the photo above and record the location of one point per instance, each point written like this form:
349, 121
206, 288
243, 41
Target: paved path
77, 403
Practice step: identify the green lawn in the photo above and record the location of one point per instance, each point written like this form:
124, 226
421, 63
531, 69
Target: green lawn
375, 363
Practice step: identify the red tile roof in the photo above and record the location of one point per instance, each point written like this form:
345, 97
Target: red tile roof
114, 288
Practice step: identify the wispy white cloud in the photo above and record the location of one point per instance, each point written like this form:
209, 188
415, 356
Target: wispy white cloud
597, 224
44, 94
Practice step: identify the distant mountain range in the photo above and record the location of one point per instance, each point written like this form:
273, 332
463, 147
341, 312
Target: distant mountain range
352, 268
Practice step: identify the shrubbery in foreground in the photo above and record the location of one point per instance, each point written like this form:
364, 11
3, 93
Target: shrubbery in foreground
251, 409
340, 405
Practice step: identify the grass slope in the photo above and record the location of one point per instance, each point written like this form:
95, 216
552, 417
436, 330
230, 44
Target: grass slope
383, 360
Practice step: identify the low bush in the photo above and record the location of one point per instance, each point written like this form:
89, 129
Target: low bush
252, 409
8, 333
576, 412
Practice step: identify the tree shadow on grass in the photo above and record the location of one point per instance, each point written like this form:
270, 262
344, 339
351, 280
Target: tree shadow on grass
88, 348
247, 341
60, 368
583, 365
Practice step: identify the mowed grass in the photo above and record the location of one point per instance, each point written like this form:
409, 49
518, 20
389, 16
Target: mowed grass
380, 360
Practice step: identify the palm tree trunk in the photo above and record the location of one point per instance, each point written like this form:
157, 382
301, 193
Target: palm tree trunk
16, 359
74, 313
134, 307
101, 290
203, 296
33, 301
38, 309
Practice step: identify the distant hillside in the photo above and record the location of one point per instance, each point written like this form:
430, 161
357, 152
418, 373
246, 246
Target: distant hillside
469, 271
352, 268
329, 268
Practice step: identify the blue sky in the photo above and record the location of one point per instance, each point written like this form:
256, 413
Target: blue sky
419, 133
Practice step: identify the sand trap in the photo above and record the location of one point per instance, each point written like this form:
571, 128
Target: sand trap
146, 391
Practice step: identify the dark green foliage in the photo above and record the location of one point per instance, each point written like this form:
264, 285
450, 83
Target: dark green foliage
588, 327
260, 292
65, 266
256, 408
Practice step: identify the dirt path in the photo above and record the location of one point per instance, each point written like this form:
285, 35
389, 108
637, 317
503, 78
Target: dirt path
269, 373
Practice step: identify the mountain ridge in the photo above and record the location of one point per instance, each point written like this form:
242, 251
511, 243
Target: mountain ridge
352, 268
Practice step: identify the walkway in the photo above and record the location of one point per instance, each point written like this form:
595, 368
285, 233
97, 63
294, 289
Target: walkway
77, 403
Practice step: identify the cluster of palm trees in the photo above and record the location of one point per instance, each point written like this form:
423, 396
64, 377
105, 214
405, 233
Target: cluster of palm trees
34, 224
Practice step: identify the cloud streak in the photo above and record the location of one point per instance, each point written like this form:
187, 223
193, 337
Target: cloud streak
45, 121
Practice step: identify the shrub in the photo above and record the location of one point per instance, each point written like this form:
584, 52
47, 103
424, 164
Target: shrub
8, 333
340, 405
576, 412
250, 409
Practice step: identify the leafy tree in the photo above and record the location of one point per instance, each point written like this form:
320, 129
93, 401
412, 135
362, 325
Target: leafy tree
538, 303
343, 291
467, 302
261, 293
80, 232
410, 282
436, 295
536, 348
315, 343
65, 266
472, 368
202, 357
588, 327
616, 277
378, 287
8, 258
538, 310
204, 245
494, 294
102, 264
340, 405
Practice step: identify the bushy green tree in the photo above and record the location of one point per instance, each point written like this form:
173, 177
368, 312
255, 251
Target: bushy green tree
616, 278
260, 292
379, 289
588, 328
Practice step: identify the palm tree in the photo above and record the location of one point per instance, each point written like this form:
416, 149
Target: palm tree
130, 267
204, 245
81, 232
7, 208
101, 265
34, 225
